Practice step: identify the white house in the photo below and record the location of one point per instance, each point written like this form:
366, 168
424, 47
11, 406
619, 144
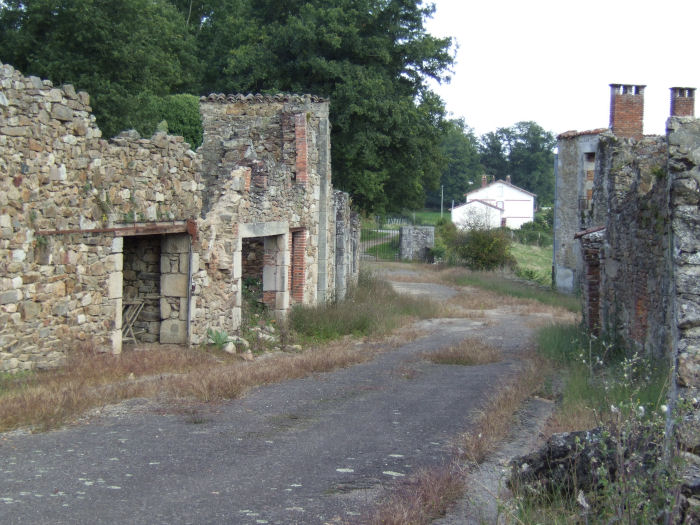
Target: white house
497, 204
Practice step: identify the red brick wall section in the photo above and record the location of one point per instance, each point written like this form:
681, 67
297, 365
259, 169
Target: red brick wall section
627, 110
682, 102
591, 284
297, 269
641, 309
302, 175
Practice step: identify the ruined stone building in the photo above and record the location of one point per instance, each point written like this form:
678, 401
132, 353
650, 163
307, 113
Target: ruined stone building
93, 231
626, 229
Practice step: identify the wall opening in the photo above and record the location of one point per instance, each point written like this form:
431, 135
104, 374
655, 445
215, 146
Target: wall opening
156, 291
141, 297
252, 263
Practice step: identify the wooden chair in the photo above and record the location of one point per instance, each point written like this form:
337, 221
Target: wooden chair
132, 309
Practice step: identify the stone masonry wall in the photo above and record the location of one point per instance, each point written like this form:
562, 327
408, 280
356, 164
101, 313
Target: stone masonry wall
58, 175
415, 242
347, 253
631, 200
68, 197
574, 178
684, 173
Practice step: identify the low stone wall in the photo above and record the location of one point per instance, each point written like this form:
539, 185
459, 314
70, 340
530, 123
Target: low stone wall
415, 242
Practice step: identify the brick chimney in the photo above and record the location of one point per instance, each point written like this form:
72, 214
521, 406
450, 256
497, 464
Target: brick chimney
627, 110
483, 181
682, 102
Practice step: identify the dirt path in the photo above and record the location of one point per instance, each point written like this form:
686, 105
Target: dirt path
315, 450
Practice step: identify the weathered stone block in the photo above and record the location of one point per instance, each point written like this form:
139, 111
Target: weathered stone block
115, 285
173, 285
30, 310
175, 244
173, 331
10, 296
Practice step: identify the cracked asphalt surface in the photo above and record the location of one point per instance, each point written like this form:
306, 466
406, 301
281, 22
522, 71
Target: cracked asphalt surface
307, 451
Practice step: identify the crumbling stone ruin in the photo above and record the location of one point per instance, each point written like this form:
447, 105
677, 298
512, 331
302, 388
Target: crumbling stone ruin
626, 234
95, 232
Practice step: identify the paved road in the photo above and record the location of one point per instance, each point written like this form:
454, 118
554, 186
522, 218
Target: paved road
315, 450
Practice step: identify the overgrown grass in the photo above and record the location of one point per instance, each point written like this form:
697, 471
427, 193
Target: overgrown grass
500, 284
371, 307
599, 384
48, 399
534, 263
388, 250
595, 375
428, 217
493, 422
422, 499
468, 352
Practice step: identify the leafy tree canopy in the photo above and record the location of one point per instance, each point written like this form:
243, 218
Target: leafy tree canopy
123, 53
525, 151
371, 57
462, 169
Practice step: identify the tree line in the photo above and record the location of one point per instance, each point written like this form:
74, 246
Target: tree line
145, 61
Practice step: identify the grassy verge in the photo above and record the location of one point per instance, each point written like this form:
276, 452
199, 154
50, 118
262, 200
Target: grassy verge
601, 385
501, 285
370, 308
534, 262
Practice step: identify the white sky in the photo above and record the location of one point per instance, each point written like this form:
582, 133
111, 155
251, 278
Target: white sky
552, 61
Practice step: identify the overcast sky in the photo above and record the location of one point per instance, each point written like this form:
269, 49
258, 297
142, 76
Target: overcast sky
552, 61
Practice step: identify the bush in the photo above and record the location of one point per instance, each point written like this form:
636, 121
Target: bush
484, 249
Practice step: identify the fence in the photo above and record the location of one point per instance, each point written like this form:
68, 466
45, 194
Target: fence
380, 244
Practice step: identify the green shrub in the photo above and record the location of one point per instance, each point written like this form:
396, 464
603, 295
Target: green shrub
484, 249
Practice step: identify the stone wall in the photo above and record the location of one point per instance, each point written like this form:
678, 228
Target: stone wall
631, 200
575, 165
684, 172
68, 198
60, 183
415, 242
347, 250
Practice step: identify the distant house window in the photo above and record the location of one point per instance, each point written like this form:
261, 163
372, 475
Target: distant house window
503, 222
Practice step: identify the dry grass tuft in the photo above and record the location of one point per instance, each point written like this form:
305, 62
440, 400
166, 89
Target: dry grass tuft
468, 352
51, 398
493, 423
420, 500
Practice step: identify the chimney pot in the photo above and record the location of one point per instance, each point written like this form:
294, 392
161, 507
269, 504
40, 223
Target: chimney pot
627, 110
682, 102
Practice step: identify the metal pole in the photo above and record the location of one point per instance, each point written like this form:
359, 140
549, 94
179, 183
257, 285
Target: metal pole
442, 197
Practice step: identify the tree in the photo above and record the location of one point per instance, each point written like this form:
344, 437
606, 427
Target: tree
463, 167
525, 151
123, 53
371, 57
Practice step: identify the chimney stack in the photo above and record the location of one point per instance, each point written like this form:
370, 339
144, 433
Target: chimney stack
508, 179
627, 110
682, 102
483, 181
